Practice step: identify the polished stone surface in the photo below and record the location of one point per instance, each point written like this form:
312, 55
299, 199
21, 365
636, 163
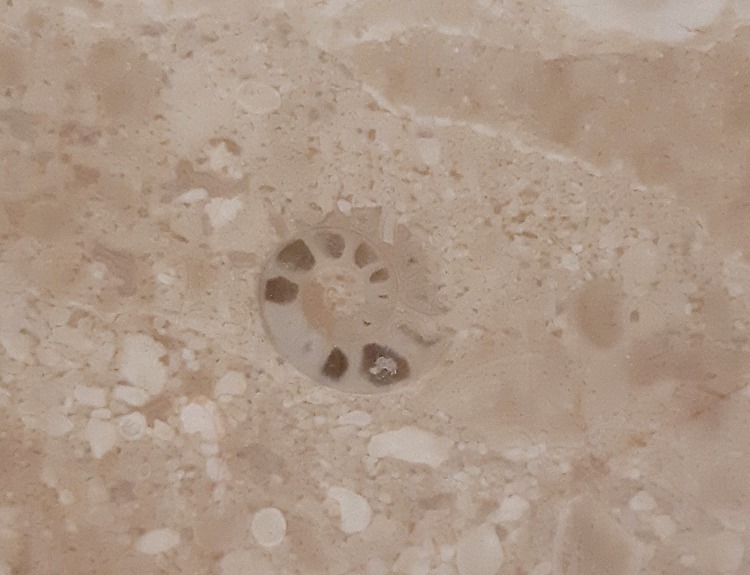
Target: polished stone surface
575, 174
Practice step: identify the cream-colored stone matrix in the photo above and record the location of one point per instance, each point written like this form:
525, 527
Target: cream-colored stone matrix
514, 338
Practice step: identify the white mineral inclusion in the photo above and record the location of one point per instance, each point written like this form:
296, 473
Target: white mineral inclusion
354, 509
258, 98
203, 419
140, 363
222, 211
642, 501
132, 426
131, 395
412, 445
231, 383
269, 527
90, 396
479, 551
102, 436
158, 541
511, 509
357, 418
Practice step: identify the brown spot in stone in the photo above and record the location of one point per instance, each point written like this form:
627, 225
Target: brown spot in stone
11, 66
280, 290
85, 176
336, 364
365, 255
597, 313
126, 82
297, 256
379, 276
333, 244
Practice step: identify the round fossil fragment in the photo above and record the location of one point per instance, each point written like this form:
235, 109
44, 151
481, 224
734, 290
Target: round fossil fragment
350, 309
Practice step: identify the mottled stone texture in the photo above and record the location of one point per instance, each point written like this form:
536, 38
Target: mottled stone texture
573, 178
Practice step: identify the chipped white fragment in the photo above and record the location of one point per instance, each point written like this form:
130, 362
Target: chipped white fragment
447, 552
221, 211
258, 98
357, 418
131, 395
167, 277
354, 510
269, 527
201, 419
162, 430
188, 356
479, 551
570, 262
90, 396
642, 501
344, 206
664, 526
132, 426
140, 363
412, 445
102, 436
511, 509
231, 383
17, 345
101, 413
57, 423
216, 469
66, 497
192, 196
157, 541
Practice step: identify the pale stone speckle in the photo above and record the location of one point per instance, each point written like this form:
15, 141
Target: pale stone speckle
102, 436
140, 363
354, 510
158, 541
222, 211
642, 501
231, 383
269, 527
479, 551
412, 445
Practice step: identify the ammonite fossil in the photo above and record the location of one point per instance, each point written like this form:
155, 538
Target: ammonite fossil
351, 305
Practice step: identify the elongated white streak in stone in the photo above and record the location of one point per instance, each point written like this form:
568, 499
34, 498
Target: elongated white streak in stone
411, 444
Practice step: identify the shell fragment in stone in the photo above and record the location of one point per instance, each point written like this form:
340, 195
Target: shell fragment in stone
350, 310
